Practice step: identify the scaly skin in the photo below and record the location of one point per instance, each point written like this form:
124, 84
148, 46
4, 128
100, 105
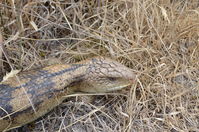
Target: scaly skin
29, 95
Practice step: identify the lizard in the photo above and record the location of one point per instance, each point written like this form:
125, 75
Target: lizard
28, 95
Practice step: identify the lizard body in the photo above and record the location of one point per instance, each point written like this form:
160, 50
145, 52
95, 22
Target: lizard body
30, 94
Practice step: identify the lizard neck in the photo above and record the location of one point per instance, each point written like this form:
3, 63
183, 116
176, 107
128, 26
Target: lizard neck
66, 76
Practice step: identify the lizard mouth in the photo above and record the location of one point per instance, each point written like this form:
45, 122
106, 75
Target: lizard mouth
119, 87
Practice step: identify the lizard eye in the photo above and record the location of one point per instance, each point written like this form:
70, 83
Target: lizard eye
111, 78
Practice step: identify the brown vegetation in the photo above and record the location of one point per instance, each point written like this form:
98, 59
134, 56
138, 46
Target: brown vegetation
159, 39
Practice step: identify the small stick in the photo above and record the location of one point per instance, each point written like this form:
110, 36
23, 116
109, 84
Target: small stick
1, 52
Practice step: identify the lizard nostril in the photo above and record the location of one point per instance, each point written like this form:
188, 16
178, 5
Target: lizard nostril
132, 80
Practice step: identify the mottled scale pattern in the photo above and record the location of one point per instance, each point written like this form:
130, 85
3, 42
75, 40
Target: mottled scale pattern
30, 94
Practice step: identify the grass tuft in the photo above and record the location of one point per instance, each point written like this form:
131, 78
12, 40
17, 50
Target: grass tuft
158, 39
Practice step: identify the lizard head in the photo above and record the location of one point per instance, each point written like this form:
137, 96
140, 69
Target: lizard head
105, 75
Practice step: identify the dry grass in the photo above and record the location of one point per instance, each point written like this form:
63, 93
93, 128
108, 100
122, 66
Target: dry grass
159, 39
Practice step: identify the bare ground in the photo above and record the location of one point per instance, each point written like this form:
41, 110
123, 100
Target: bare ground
158, 39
